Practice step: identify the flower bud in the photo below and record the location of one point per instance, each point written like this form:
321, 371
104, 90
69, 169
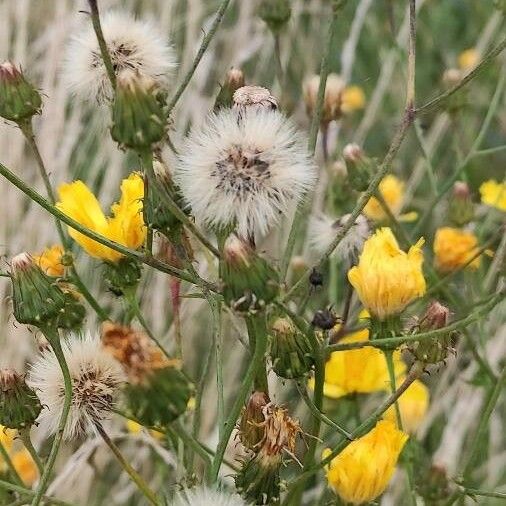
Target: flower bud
122, 275
73, 313
249, 281
253, 98
37, 298
298, 265
19, 100
433, 351
358, 165
332, 102
461, 208
276, 13
19, 406
434, 485
234, 80
139, 120
324, 319
456, 101
290, 350
251, 424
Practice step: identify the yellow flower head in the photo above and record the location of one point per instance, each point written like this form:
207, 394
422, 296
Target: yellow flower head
468, 59
25, 466
361, 472
136, 428
353, 99
126, 226
386, 278
6, 438
454, 248
494, 194
392, 190
49, 260
413, 404
362, 370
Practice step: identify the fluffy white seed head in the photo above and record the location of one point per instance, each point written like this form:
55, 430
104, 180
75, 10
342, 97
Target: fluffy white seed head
323, 230
244, 171
203, 496
96, 378
133, 44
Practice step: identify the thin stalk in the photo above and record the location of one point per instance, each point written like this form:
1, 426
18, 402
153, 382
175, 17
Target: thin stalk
483, 493
426, 155
83, 290
134, 475
203, 47
30, 493
256, 325
24, 435
5, 456
106, 57
215, 306
153, 262
279, 66
255, 364
178, 430
54, 340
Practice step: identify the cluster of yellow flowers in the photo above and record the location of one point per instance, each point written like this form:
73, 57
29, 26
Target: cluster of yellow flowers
20, 458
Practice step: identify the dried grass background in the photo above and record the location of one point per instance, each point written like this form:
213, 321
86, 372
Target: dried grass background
73, 144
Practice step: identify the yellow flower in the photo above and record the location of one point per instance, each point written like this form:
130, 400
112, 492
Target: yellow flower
49, 260
136, 428
386, 278
392, 190
362, 471
25, 466
413, 404
468, 59
353, 99
362, 370
454, 248
6, 437
126, 226
494, 194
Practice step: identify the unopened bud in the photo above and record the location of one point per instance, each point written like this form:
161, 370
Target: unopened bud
251, 424
37, 298
250, 282
138, 116
19, 406
333, 98
433, 351
461, 208
19, 100
234, 80
455, 101
123, 275
290, 350
324, 319
451, 77
435, 486
276, 13
253, 98
358, 165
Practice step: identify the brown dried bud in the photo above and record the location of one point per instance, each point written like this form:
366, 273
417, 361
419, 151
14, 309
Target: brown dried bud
234, 79
251, 424
254, 98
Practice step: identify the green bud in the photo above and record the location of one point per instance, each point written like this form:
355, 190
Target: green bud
138, 116
19, 406
290, 350
358, 166
461, 207
249, 282
234, 80
161, 398
72, 315
276, 13
19, 100
123, 275
433, 351
37, 298
251, 424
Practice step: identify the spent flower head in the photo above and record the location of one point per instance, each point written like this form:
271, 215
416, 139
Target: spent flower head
132, 44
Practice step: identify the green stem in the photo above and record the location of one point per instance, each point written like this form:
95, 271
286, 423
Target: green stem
24, 435
483, 493
190, 441
203, 47
215, 306
5, 456
256, 325
83, 290
134, 475
30, 493
152, 262
106, 57
54, 340
256, 363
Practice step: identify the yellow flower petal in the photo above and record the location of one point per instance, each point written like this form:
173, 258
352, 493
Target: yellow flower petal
49, 260
494, 194
468, 59
25, 466
453, 248
392, 190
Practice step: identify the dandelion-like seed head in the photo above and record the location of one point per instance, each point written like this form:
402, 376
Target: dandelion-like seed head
253, 98
133, 44
244, 172
203, 496
96, 378
324, 229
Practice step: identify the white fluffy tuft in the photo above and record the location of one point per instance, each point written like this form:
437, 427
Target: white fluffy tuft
323, 230
96, 378
204, 496
244, 171
132, 43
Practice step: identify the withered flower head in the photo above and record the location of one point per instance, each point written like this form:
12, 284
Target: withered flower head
254, 98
